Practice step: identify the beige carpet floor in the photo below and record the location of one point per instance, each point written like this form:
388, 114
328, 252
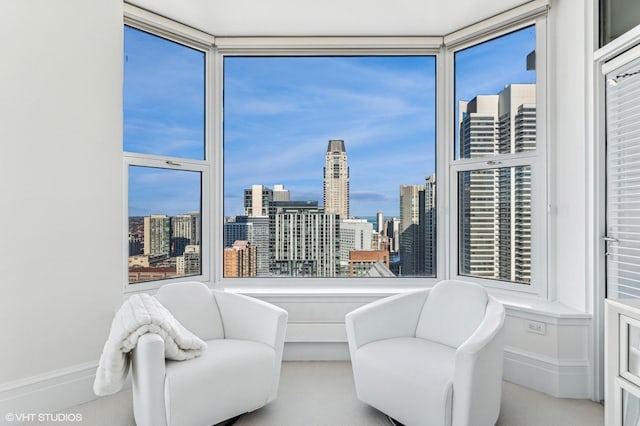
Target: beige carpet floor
322, 393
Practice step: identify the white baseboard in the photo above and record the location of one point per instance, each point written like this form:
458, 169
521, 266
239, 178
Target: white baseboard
558, 378
48, 393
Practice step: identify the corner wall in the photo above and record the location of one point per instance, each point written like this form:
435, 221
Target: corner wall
61, 191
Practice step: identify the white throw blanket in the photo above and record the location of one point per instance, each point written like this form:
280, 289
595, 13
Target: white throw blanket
138, 315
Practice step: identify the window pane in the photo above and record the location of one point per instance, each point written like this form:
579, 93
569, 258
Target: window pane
494, 219
616, 18
495, 96
164, 223
164, 96
329, 166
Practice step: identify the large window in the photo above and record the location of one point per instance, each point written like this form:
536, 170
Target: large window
258, 159
164, 147
497, 158
329, 166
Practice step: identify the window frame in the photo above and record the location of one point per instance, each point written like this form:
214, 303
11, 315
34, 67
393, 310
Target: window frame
443, 48
537, 159
325, 46
158, 26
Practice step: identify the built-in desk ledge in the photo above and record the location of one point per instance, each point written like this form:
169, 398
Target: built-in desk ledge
522, 306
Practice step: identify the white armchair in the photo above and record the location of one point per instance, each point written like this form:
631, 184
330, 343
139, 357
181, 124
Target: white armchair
238, 372
431, 357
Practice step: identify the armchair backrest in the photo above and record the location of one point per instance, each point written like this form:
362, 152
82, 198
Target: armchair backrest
194, 306
452, 312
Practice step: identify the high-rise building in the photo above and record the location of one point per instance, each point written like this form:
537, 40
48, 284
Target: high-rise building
280, 194
183, 233
256, 200
135, 244
336, 180
392, 232
418, 229
355, 234
428, 225
157, 234
495, 204
379, 221
240, 260
256, 231
411, 239
304, 240
189, 262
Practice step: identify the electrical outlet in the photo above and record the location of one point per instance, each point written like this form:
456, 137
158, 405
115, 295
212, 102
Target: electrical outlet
537, 327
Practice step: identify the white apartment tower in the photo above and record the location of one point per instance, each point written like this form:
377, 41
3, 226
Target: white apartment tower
336, 180
495, 203
304, 241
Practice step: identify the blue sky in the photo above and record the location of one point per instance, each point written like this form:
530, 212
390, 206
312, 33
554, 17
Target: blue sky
280, 112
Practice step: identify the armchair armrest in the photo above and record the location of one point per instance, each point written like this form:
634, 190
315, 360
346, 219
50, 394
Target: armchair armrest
148, 374
247, 318
478, 371
394, 316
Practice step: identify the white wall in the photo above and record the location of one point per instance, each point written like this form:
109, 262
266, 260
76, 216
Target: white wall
60, 183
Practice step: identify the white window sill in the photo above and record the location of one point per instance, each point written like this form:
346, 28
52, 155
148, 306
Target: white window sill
517, 304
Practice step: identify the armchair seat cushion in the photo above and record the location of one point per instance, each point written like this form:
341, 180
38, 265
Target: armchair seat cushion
408, 378
201, 392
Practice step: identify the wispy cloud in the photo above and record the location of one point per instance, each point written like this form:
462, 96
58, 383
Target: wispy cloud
281, 112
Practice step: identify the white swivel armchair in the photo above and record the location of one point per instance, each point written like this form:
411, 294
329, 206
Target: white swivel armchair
237, 373
431, 357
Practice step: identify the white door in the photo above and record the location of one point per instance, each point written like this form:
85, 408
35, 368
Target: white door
623, 180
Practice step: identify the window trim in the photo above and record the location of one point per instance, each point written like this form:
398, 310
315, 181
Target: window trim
162, 27
538, 159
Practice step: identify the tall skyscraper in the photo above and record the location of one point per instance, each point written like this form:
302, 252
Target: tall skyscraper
428, 224
304, 240
336, 180
495, 225
411, 238
157, 234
